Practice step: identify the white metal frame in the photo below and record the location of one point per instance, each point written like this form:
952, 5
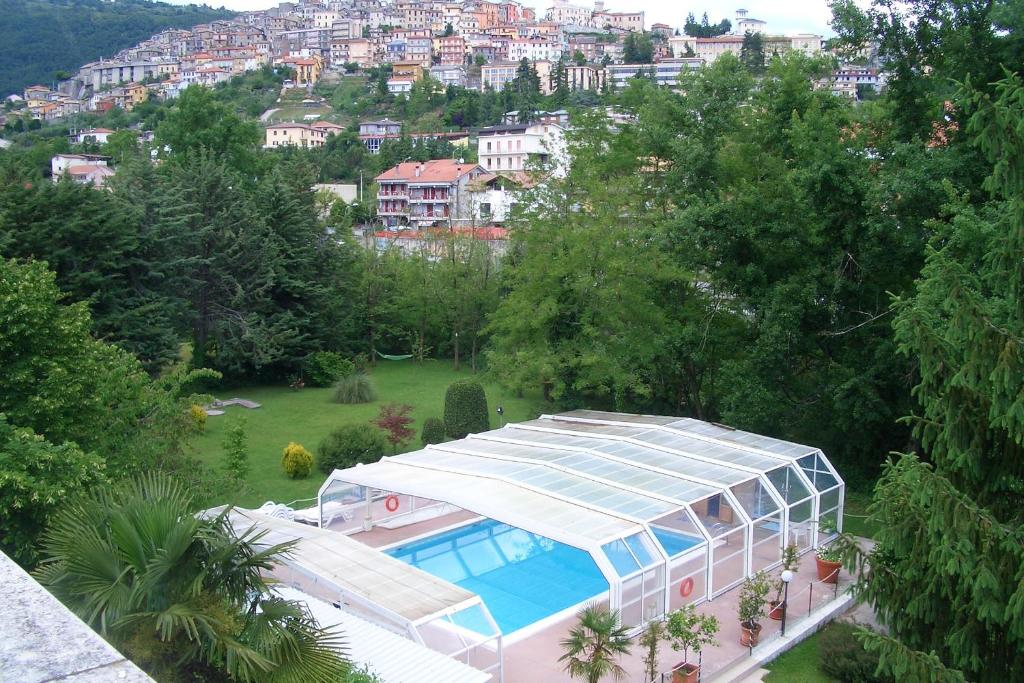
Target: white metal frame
473, 448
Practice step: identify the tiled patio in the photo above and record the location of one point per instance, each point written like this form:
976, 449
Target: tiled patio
534, 658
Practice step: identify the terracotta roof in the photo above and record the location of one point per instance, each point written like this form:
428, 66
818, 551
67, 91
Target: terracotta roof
86, 169
435, 171
326, 124
488, 233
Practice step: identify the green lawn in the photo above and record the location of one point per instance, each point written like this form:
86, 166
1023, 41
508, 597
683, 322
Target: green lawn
306, 416
854, 512
798, 665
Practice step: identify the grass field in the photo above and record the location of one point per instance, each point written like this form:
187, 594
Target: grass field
306, 416
799, 665
854, 512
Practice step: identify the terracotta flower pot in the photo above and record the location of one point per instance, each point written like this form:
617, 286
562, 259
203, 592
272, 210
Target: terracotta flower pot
776, 611
828, 572
749, 636
686, 673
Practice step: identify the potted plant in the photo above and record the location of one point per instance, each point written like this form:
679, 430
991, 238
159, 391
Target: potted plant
790, 562
828, 558
689, 630
751, 608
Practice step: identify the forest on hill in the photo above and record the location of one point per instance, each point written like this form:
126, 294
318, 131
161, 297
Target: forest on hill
40, 37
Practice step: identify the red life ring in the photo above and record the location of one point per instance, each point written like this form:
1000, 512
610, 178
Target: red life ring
391, 503
686, 587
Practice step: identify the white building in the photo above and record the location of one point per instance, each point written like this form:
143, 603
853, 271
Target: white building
97, 135
521, 147
745, 23
566, 14
534, 49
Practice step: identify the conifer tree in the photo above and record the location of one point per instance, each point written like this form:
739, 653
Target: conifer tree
947, 575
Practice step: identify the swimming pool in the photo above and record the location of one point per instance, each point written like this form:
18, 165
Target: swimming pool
521, 577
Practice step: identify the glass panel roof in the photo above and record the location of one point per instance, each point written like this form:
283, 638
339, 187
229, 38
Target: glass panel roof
765, 443
595, 465
724, 454
639, 454
772, 445
586, 491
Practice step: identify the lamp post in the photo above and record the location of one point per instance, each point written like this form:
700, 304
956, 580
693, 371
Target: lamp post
501, 416
786, 577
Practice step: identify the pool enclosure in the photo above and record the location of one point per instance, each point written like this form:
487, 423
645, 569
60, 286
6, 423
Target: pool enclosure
672, 510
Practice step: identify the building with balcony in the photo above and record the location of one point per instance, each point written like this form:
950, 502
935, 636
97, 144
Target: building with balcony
423, 194
521, 147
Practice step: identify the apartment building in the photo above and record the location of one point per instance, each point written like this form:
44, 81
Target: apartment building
452, 50
566, 13
664, 73
294, 135
374, 133
422, 194
534, 49
521, 146
623, 21
584, 77
497, 76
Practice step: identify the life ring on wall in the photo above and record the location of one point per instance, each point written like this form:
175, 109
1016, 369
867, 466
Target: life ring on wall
686, 587
391, 503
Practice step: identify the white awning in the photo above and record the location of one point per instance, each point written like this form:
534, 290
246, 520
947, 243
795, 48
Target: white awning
547, 513
391, 657
357, 569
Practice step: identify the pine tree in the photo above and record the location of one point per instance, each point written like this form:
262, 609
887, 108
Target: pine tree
947, 575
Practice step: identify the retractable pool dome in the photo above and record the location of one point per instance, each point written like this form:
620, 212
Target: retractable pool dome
672, 510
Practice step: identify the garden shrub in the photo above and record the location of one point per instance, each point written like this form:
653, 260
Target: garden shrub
842, 656
465, 409
433, 431
324, 368
198, 415
350, 445
297, 461
355, 388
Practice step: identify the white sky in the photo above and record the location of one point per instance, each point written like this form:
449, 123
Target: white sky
783, 16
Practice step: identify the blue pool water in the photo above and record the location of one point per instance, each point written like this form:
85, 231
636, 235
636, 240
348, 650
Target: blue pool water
674, 542
521, 577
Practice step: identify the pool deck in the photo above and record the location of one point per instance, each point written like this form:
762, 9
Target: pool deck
534, 658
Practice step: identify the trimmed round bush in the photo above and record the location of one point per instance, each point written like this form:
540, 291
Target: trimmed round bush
465, 409
297, 461
433, 431
350, 445
324, 368
355, 388
842, 656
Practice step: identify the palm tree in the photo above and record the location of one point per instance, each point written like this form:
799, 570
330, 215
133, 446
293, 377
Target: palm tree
183, 596
594, 644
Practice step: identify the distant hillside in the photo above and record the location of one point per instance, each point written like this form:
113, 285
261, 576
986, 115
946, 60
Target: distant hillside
41, 37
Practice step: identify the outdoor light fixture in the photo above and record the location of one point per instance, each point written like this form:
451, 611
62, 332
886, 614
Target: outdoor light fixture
786, 577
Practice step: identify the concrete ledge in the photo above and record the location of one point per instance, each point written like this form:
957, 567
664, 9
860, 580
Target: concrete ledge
766, 652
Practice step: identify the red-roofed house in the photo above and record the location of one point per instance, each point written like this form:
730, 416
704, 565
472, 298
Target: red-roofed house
421, 194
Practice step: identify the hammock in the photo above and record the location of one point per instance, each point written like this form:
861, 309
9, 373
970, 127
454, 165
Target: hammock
387, 356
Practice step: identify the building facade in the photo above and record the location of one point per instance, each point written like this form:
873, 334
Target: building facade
423, 194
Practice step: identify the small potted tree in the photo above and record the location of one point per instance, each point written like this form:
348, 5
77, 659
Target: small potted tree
790, 562
828, 558
689, 630
751, 608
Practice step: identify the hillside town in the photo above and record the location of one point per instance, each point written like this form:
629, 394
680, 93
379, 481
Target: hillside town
474, 44
471, 341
